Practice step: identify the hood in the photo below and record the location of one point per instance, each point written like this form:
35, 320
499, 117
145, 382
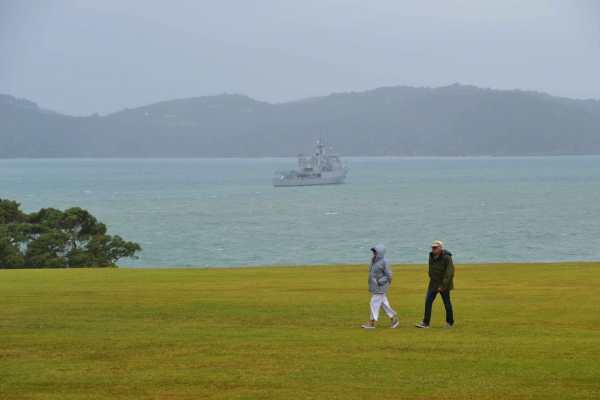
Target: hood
443, 253
380, 249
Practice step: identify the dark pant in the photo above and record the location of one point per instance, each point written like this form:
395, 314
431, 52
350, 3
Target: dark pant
431, 295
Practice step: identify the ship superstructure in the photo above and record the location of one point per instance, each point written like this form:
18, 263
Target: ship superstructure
324, 168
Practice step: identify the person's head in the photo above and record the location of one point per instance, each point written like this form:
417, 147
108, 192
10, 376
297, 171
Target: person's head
378, 251
436, 247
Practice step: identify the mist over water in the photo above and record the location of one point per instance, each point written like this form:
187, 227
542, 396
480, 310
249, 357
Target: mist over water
225, 212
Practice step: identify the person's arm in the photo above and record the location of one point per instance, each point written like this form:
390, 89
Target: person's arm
387, 274
448, 276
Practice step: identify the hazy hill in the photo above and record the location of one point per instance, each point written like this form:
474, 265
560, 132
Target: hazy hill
454, 120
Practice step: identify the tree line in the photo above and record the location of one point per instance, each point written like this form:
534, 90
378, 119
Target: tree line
51, 238
392, 121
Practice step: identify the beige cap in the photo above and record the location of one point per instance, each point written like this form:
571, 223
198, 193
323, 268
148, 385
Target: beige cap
437, 243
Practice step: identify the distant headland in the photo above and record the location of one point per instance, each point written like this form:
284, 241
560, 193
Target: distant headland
454, 120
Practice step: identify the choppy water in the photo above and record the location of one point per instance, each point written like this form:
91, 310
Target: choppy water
225, 212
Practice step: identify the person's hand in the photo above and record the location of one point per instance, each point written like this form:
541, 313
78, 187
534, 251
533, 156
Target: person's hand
440, 289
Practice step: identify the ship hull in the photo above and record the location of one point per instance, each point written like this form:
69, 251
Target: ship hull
325, 179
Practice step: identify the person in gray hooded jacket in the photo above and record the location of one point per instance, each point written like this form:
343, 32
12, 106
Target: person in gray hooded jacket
380, 277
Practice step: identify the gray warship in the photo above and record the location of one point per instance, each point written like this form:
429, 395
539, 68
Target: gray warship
325, 168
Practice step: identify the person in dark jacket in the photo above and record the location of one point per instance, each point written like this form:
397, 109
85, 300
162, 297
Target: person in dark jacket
380, 277
441, 277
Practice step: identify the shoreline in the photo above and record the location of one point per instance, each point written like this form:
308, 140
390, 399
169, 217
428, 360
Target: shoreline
325, 266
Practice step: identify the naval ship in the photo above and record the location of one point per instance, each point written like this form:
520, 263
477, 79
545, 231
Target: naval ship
325, 168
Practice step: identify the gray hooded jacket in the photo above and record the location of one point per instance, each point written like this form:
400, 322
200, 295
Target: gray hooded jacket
380, 274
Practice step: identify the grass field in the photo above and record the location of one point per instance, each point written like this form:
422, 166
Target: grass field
523, 331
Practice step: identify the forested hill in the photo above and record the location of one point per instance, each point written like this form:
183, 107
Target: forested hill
401, 121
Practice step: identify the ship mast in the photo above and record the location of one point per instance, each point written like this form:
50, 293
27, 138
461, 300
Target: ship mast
320, 144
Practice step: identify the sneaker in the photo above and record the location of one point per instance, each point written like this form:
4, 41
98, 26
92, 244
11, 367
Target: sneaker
394, 324
368, 326
422, 325
448, 326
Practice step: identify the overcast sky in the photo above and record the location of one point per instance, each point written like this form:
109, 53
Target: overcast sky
84, 56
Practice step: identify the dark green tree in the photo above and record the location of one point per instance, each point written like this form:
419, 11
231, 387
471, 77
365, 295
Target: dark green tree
51, 238
81, 226
10, 257
107, 250
49, 250
10, 215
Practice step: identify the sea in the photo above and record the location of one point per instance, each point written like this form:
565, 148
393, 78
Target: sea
202, 213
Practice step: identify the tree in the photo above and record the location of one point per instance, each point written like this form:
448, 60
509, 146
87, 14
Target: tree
10, 256
107, 250
81, 226
9, 212
51, 238
49, 250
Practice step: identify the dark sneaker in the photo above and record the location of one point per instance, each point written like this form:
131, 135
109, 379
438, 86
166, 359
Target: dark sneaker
422, 325
394, 324
368, 326
448, 326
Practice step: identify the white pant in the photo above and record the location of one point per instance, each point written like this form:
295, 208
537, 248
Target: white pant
377, 301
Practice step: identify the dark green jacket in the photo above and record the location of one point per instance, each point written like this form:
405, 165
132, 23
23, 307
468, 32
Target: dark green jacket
441, 271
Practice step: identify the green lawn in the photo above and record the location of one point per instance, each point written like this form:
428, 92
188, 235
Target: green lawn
523, 331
